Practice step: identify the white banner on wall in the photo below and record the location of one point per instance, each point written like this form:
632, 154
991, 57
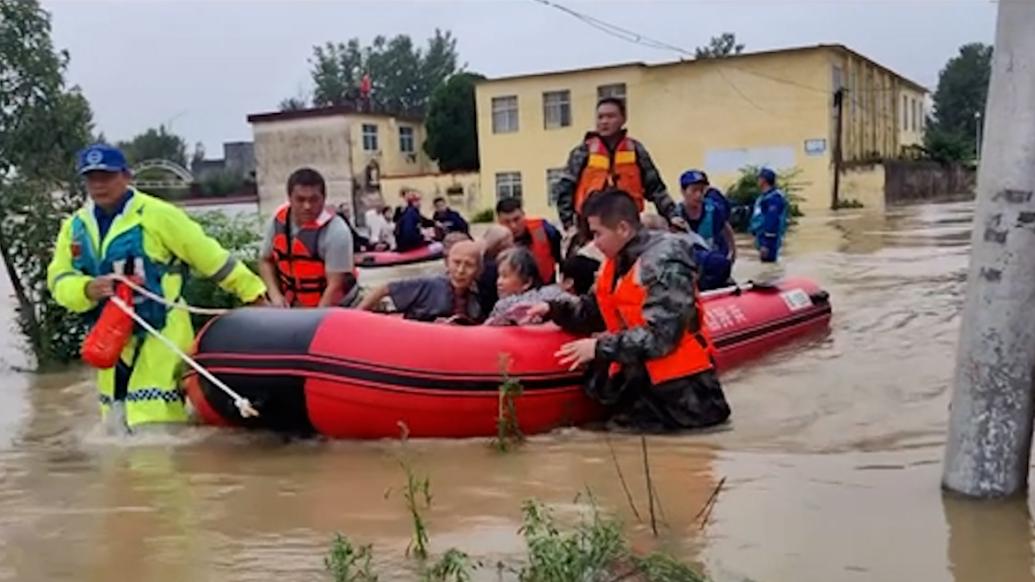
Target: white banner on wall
732, 160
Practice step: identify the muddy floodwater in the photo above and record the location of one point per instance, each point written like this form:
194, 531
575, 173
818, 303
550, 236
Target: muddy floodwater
832, 461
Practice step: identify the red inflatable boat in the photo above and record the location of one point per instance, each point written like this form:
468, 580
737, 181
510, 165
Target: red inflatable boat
352, 374
376, 259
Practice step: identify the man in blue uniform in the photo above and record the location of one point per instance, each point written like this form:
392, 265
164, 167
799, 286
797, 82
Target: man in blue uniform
769, 218
706, 212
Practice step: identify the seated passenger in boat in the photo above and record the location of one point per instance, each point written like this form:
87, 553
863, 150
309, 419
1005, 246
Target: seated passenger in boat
409, 230
451, 298
381, 228
495, 240
520, 285
652, 362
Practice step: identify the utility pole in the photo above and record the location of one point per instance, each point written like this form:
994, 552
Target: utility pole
990, 424
839, 99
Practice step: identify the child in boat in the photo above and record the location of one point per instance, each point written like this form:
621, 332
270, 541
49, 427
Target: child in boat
449, 298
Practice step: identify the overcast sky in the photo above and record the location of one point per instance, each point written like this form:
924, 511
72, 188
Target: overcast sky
203, 66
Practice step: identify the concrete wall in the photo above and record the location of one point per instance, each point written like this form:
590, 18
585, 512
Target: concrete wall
865, 184
912, 121
239, 157
331, 141
282, 147
872, 108
390, 159
766, 110
923, 181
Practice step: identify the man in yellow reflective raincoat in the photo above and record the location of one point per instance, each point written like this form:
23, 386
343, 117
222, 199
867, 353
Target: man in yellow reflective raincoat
123, 231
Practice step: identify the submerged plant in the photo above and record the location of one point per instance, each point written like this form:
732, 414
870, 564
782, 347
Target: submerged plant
508, 431
417, 494
586, 553
453, 566
659, 567
347, 563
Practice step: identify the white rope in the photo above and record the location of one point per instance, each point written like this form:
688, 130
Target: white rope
243, 405
170, 304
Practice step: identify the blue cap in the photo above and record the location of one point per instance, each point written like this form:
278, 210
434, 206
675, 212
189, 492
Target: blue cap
692, 177
767, 175
101, 158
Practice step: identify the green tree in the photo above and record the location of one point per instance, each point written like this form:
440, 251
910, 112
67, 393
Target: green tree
961, 94
723, 45
453, 125
240, 236
155, 144
745, 190
43, 122
402, 76
292, 104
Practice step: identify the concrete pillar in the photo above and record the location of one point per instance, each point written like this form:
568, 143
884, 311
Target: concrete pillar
990, 427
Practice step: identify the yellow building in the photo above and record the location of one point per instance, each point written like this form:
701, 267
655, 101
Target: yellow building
770, 108
354, 151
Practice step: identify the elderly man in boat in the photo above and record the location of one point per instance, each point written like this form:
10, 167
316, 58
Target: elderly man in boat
652, 358
449, 298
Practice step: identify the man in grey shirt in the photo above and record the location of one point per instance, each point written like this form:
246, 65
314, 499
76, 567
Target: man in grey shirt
306, 256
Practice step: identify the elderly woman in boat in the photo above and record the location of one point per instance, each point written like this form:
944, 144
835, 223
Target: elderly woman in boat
519, 284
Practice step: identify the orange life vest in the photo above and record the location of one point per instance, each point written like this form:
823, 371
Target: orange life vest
303, 277
622, 308
542, 250
605, 168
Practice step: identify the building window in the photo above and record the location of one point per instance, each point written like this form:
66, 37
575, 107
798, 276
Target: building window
553, 175
614, 91
369, 137
508, 185
905, 113
505, 114
406, 140
556, 109
916, 115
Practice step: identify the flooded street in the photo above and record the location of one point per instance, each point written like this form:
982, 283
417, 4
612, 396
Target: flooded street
832, 461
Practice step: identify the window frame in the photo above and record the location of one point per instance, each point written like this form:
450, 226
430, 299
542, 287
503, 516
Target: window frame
501, 110
411, 138
561, 109
512, 182
371, 140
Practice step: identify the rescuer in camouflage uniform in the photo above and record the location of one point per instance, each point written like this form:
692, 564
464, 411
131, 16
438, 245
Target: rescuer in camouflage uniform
653, 363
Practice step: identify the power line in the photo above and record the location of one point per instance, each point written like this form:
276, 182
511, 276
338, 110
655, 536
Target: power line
643, 40
616, 31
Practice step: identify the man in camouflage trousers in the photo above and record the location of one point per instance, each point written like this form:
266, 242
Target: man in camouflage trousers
653, 361
609, 158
